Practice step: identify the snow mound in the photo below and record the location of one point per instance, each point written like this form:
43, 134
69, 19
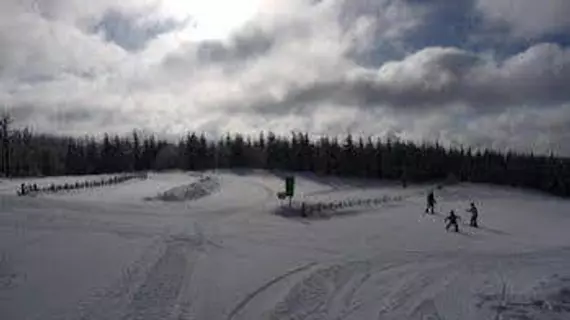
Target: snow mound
203, 187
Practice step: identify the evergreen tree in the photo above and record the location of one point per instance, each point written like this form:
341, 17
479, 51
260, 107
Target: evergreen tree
23, 153
5, 123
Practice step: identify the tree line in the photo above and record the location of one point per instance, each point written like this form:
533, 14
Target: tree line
24, 153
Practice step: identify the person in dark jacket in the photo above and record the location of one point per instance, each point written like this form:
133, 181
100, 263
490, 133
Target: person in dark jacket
474, 215
430, 203
451, 220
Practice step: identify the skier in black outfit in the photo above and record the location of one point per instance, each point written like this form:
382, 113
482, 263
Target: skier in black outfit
451, 220
430, 203
474, 215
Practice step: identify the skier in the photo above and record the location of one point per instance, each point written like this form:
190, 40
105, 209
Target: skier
430, 203
23, 189
451, 220
474, 215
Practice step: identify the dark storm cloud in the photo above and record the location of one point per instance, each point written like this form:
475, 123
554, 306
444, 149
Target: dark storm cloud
131, 31
528, 19
245, 45
437, 77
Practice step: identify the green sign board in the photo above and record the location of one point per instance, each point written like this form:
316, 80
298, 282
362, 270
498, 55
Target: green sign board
290, 186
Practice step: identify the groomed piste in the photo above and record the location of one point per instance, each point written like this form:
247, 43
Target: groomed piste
216, 245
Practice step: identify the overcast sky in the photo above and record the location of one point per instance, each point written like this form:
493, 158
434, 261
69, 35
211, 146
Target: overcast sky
490, 73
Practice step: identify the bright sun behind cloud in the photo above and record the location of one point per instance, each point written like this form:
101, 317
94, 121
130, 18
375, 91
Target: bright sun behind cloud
212, 19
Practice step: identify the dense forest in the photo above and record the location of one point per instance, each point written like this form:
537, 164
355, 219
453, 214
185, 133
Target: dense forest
24, 153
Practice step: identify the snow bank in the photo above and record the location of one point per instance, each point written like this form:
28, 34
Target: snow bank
205, 186
11, 186
333, 208
129, 192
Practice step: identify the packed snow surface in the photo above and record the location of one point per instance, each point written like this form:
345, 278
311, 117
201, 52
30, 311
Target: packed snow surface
220, 252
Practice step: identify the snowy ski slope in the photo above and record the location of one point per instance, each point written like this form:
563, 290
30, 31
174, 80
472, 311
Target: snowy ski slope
107, 253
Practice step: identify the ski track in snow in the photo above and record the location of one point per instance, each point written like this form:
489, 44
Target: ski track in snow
157, 296
411, 289
152, 287
266, 286
400, 264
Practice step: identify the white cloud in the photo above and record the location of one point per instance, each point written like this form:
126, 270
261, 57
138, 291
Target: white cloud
292, 67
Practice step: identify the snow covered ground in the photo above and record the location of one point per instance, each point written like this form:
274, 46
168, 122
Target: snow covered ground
107, 253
